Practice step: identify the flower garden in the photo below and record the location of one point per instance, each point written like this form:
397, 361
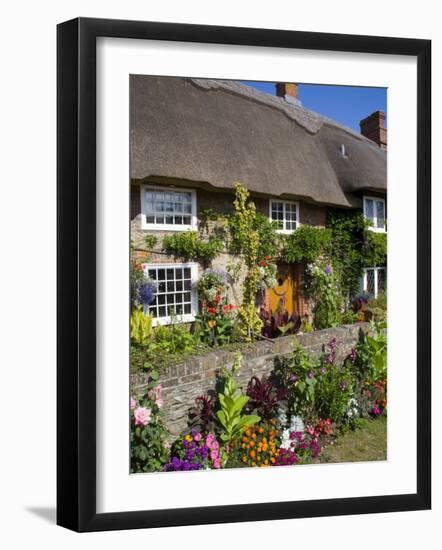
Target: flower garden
284, 419
305, 403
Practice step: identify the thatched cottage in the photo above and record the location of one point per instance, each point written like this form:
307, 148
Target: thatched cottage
192, 139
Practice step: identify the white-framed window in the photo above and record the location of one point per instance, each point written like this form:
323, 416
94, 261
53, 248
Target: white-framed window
168, 209
176, 294
285, 214
374, 210
374, 280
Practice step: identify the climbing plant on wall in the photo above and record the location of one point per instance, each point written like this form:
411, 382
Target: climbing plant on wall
243, 232
352, 247
347, 229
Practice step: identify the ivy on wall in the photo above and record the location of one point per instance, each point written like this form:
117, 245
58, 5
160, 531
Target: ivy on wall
353, 246
306, 244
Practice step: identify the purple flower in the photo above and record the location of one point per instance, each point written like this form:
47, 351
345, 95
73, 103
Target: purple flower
328, 269
146, 293
323, 370
294, 378
311, 374
353, 355
343, 385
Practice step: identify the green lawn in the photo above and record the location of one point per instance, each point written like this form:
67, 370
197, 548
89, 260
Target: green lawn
366, 443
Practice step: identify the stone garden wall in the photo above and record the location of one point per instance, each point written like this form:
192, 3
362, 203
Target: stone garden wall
183, 382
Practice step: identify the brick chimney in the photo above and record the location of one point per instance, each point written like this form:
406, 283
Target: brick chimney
373, 127
288, 91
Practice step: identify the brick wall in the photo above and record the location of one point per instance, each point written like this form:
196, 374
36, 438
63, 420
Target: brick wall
195, 376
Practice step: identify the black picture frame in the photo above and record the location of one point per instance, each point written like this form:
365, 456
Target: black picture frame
76, 274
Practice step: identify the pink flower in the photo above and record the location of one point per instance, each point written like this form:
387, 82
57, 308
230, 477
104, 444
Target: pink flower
217, 463
142, 416
210, 439
214, 455
197, 437
133, 403
157, 395
215, 445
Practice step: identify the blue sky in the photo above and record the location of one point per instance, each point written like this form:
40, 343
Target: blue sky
345, 104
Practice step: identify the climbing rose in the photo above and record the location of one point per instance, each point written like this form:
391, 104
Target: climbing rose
142, 416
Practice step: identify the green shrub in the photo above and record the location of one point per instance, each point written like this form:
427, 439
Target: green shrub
189, 246
173, 339
374, 250
148, 433
296, 373
323, 288
336, 386
371, 355
306, 244
141, 327
232, 402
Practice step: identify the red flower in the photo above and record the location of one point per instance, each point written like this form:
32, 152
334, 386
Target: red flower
211, 310
263, 263
217, 299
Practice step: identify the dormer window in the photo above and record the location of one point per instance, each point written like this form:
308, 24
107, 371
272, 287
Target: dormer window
169, 209
374, 211
285, 214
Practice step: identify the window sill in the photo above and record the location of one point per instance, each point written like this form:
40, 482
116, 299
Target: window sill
377, 230
159, 227
188, 318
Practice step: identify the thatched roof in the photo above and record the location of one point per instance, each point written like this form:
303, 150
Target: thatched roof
213, 132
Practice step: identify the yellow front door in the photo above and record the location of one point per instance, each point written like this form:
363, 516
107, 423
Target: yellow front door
280, 297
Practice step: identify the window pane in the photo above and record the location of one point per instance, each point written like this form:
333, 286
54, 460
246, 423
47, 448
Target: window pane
170, 202
380, 214
382, 280
369, 287
369, 209
162, 312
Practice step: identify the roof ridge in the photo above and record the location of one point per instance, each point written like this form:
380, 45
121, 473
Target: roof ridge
308, 119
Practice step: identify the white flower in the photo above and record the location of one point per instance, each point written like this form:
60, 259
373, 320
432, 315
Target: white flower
296, 424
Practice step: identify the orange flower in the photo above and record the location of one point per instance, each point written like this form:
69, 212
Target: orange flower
252, 454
